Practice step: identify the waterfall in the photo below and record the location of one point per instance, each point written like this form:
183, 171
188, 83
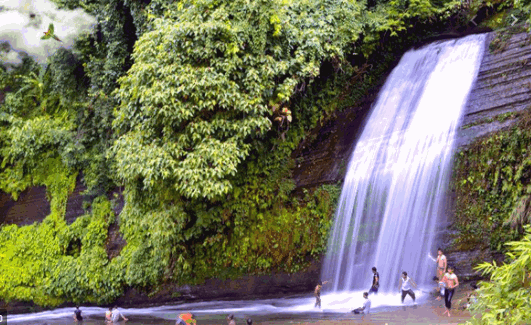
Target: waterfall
399, 169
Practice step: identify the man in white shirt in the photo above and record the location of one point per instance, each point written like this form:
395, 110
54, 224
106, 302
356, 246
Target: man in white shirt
116, 314
405, 285
366, 309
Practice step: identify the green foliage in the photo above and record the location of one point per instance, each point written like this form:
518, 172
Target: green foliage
525, 7
506, 298
206, 80
51, 262
492, 178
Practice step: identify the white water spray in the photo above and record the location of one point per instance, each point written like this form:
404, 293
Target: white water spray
400, 167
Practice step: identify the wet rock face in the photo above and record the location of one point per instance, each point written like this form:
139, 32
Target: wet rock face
247, 287
503, 85
465, 261
31, 206
504, 80
324, 159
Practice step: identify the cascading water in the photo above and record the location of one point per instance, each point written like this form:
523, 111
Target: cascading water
398, 172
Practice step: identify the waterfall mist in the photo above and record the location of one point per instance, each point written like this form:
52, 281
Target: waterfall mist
399, 169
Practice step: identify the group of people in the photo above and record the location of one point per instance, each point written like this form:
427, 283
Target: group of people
232, 321
405, 284
447, 280
188, 318
112, 315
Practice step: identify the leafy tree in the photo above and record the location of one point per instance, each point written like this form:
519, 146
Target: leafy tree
207, 80
506, 298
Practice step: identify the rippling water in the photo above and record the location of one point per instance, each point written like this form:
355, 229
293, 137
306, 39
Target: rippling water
334, 306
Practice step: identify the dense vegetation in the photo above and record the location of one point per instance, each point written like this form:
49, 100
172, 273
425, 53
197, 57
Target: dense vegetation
195, 108
505, 299
493, 187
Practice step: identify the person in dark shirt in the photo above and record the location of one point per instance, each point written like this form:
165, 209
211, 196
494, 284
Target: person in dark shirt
375, 281
77, 315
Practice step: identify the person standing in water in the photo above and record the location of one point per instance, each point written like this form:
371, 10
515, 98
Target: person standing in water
442, 264
451, 283
405, 286
186, 319
317, 293
77, 315
375, 281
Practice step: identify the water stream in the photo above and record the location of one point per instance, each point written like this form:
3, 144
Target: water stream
286, 310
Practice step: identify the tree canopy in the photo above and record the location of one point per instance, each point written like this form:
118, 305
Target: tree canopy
208, 80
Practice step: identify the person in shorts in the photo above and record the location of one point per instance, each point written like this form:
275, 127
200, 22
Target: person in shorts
441, 285
442, 264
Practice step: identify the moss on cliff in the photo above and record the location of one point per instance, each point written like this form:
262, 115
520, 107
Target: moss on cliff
493, 185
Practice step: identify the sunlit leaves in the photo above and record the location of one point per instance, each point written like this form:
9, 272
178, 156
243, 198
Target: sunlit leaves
203, 78
506, 298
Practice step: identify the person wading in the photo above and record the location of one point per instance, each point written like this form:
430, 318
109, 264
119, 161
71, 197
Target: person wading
108, 315
77, 315
440, 287
405, 286
230, 319
116, 314
317, 293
